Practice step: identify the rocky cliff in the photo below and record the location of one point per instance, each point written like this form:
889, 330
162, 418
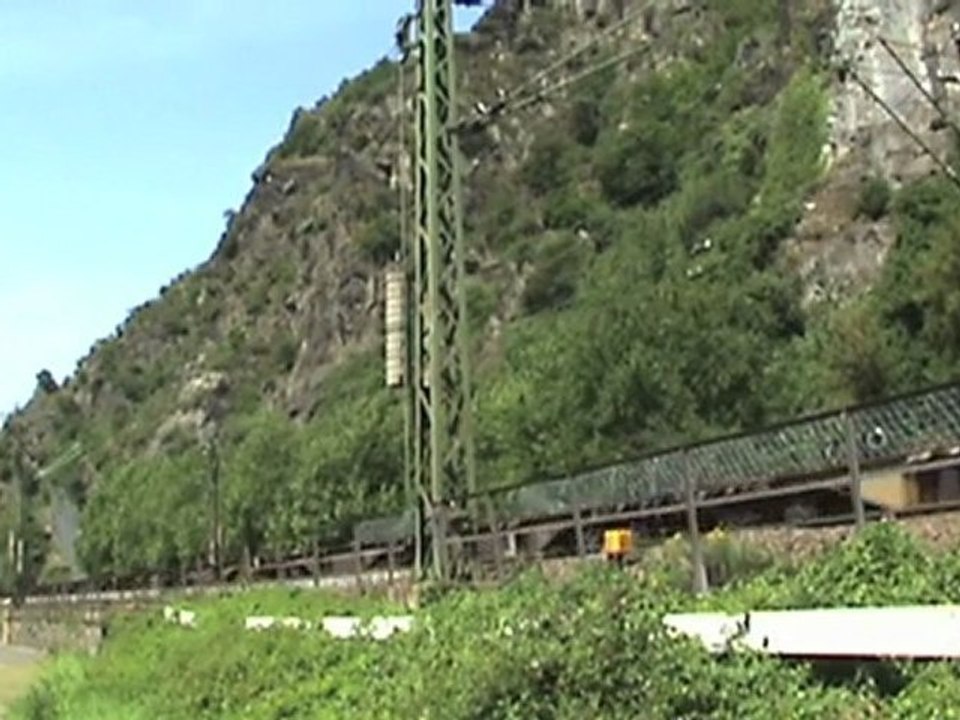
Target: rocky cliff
735, 175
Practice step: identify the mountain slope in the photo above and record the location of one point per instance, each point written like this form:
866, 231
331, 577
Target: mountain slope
719, 232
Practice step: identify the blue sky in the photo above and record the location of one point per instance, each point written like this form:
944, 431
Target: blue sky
126, 129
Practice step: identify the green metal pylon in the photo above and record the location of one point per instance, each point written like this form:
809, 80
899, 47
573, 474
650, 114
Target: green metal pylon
441, 468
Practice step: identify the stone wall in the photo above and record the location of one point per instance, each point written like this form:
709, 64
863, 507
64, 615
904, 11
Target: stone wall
941, 531
53, 629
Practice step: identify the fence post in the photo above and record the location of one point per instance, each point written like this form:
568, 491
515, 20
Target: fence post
853, 461
5, 630
315, 565
357, 562
497, 544
693, 527
390, 565
578, 529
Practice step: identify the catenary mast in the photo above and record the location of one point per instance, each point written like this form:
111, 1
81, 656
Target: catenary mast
439, 457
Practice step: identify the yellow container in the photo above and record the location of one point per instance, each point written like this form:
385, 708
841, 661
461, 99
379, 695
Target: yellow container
617, 543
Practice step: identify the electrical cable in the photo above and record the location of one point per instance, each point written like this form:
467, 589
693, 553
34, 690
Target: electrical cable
519, 94
525, 102
919, 85
628, 19
865, 86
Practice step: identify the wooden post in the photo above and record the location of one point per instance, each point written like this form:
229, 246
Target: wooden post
357, 562
391, 565
5, 633
693, 526
315, 564
578, 529
246, 564
853, 462
496, 539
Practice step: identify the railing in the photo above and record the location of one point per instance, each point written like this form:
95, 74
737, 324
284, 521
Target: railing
811, 447
814, 454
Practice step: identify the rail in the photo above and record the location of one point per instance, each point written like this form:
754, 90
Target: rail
823, 452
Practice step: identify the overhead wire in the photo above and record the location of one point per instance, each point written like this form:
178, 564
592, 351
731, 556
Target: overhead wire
521, 95
919, 85
908, 44
609, 31
532, 98
904, 126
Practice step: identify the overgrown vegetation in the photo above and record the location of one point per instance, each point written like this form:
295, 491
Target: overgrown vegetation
282, 487
590, 647
874, 200
632, 262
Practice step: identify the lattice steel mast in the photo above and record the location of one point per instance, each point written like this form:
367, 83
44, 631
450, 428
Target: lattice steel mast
441, 467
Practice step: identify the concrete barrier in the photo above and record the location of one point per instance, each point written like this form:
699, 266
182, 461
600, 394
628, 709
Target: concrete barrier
378, 628
341, 627
258, 623
184, 618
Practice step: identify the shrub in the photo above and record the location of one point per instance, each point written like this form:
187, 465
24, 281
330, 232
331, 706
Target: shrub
726, 558
874, 199
379, 238
553, 281
570, 208
585, 122
549, 164
636, 166
709, 199
285, 352
591, 646
308, 136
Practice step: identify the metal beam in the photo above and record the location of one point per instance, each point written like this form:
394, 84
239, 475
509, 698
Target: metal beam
440, 452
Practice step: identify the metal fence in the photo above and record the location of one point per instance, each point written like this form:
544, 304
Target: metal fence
814, 446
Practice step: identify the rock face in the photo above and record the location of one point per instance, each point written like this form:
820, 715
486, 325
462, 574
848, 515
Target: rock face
837, 252
294, 285
919, 32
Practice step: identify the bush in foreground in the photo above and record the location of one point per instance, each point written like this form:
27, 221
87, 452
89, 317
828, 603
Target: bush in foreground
592, 647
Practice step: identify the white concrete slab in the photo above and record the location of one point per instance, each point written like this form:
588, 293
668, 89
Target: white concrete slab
918, 632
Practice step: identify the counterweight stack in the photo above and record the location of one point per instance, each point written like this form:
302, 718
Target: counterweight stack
395, 326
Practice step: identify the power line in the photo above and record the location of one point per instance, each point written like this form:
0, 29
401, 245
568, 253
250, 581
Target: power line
947, 170
519, 94
912, 45
628, 19
481, 120
532, 98
919, 85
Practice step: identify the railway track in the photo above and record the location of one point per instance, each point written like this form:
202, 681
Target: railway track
391, 565
806, 473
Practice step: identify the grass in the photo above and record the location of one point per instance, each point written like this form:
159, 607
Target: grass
15, 681
591, 646
152, 669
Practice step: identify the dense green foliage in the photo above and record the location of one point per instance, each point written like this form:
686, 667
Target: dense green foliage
590, 647
633, 262
276, 476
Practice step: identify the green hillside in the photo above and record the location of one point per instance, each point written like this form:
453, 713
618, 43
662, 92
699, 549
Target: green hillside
629, 288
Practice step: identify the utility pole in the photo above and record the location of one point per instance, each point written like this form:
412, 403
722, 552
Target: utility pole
216, 529
425, 320
440, 453
16, 542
